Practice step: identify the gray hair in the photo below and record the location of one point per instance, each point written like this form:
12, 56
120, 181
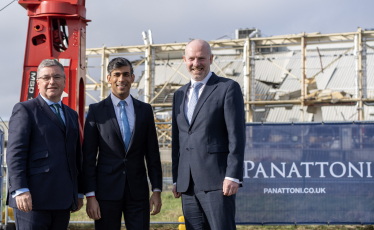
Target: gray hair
200, 40
50, 62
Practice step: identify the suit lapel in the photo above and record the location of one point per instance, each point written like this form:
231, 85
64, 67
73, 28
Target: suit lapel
208, 89
138, 118
48, 112
111, 115
186, 87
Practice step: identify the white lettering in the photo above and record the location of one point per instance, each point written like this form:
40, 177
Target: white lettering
260, 169
293, 170
321, 167
266, 190
332, 171
307, 168
351, 166
282, 173
369, 169
246, 168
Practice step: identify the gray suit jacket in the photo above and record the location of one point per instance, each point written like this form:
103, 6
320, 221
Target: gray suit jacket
212, 147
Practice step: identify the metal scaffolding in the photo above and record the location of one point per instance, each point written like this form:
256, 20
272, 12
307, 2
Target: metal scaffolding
250, 50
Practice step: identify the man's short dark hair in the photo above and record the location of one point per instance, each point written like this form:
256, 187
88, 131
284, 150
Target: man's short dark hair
119, 62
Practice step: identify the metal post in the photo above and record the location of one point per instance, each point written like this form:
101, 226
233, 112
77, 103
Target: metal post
364, 71
7, 187
247, 80
103, 88
148, 67
2, 171
152, 69
360, 77
303, 75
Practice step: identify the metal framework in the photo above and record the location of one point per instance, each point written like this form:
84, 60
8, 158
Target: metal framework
152, 52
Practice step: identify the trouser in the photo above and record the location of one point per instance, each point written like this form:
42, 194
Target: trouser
205, 210
42, 219
136, 213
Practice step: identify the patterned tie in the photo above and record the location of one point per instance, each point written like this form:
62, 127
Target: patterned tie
57, 109
125, 125
193, 102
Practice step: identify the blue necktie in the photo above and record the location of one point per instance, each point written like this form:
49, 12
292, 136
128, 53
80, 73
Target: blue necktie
193, 102
125, 125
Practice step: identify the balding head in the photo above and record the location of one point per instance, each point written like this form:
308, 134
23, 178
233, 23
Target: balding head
198, 42
198, 58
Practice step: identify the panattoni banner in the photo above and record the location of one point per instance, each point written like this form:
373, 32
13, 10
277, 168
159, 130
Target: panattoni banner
307, 173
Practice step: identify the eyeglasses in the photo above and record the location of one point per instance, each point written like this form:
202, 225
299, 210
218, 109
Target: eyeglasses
47, 78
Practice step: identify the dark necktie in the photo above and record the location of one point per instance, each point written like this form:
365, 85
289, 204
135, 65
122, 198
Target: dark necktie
57, 109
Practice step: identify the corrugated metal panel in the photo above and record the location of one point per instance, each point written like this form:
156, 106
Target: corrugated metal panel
163, 71
261, 91
268, 72
339, 113
280, 114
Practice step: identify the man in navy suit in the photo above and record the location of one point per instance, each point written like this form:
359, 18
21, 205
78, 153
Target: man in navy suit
208, 143
119, 135
44, 155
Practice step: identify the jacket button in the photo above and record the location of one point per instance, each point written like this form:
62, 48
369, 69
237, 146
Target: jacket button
187, 149
124, 172
190, 132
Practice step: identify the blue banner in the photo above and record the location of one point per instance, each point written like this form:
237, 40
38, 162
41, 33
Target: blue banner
308, 173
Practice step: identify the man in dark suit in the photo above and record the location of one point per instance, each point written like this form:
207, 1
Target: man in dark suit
118, 135
208, 143
44, 155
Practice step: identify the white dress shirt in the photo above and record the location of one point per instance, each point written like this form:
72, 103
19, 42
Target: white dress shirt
49, 103
188, 100
130, 112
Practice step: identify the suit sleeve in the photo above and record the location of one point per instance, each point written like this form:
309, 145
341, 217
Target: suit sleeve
235, 124
90, 149
20, 127
152, 155
79, 158
175, 142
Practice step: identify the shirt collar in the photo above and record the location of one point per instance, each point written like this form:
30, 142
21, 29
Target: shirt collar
116, 100
49, 102
204, 81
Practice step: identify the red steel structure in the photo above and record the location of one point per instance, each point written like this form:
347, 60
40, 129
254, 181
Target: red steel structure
57, 30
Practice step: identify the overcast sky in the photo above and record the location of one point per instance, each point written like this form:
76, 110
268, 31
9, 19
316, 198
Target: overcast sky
120, 22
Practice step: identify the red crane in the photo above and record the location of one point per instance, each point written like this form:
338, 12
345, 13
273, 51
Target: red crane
57, 30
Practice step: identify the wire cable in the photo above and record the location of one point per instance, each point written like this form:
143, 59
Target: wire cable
8, 5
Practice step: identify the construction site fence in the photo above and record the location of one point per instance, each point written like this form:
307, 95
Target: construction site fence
294, 174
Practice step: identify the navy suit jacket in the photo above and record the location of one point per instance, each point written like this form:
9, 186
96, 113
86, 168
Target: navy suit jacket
43, 156
114, 167
212, 146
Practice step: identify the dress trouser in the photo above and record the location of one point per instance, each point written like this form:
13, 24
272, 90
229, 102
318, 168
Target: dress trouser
136, 213
42, 219
204, 210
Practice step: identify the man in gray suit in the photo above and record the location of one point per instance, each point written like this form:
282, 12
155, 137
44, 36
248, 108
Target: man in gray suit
208, 143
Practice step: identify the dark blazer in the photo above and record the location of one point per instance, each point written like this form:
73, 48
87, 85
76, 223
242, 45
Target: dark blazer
115, 166
212, 147
44, 157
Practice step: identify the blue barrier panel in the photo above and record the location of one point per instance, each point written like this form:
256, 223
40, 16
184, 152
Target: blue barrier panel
308, 173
